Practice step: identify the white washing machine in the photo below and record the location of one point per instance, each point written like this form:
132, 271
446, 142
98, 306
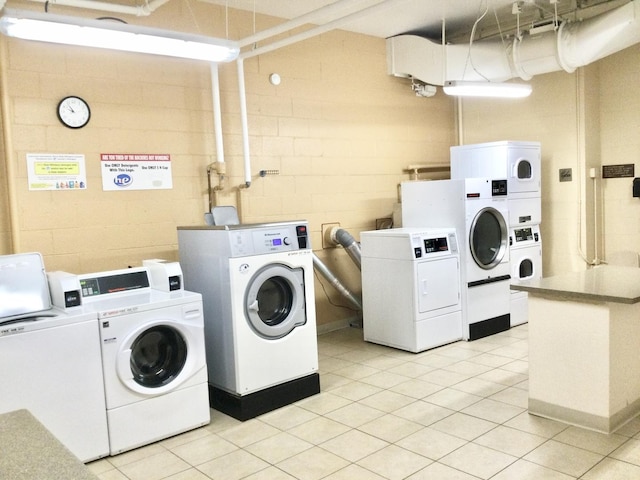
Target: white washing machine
477, 209
153, 357
526, 264
257, 287
411, 295
518, 162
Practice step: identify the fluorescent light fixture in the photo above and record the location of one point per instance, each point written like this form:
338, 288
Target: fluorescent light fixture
46, 27
486, 89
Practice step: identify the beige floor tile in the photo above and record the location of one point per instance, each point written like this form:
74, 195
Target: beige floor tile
477, 386
220, 422
468, 367
270, 473
356, 371
354, 472
390, 428
100, 466
384, 379
354, 414
204, 449
319, 430
504, 377
629, 452
287, 417
394, 462
452, 399
434, 360
155, 467
113, 474
331, 364
444, 377
464, 426
330, 381
236, 465
249, 432
477, 460
523, 470
186, 437
458, 351
358, 355
387, 401
355, 391
415, 388
191, 474
630, 429
279, 447
513, 396
438, 471
323, 403
313, 464
491, 360
537, 425
424, 413
564, 458
517, 366
354, 445
411, 369
612, 469
493, 411
511, 441
431, 443
589, 440
383, 362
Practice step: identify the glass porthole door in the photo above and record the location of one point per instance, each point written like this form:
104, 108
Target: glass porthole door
488, 238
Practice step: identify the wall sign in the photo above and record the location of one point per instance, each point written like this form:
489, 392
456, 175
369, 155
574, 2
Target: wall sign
52, 171
618, 171
136, 171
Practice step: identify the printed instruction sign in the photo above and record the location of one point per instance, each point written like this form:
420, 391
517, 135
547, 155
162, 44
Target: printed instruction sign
136, 171
52, 171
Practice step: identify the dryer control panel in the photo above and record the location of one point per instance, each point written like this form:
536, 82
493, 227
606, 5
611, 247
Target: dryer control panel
409, 243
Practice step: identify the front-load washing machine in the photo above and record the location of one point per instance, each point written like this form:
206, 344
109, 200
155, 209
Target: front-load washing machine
411, 288
257, 287
526, 264
477, 209
153, 358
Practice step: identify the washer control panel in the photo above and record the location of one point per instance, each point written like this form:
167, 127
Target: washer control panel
269, 239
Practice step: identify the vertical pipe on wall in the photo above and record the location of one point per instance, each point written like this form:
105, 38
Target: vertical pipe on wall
8, 150
217, 129
245, 127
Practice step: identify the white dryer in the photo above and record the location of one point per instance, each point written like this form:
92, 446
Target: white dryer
257, 287
518, 162
153, 357
411, 288
526, 264
477, 209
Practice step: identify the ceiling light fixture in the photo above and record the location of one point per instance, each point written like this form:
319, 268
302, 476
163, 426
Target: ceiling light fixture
486, 89
46, 27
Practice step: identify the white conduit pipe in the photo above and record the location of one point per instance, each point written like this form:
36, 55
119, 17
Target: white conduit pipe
217, 114
140, 11
245, 127
337, 284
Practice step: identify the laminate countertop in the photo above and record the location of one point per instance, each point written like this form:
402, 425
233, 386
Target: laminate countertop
29, 451
604, 283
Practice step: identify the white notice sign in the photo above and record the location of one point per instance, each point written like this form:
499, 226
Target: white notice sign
136, 171
51, 171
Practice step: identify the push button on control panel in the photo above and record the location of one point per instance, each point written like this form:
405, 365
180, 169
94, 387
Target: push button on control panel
301, 232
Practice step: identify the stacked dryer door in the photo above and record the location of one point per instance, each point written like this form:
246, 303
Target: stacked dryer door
477, 209
520, 164
411, 288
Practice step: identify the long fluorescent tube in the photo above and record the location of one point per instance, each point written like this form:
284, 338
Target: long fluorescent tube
46, 27
487, 89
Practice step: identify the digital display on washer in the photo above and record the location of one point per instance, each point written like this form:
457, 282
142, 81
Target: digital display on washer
276, 242
113, 283
523, 234
436, 245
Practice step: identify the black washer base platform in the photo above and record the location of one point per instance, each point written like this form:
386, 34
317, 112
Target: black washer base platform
245, 407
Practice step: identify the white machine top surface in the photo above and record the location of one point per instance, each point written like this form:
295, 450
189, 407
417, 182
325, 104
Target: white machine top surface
51, 318
409, 243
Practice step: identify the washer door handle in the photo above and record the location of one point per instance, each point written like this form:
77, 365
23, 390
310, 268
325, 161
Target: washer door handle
253, 306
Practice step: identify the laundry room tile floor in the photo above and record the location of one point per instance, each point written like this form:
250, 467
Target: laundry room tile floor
457, 412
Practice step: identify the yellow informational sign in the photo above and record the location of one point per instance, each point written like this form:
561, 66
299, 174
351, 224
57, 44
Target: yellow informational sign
51, 171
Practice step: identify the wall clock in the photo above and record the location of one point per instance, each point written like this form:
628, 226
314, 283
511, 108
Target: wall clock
74, 112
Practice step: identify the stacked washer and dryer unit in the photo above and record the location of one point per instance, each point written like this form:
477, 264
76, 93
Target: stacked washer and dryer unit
257, 286
520, 164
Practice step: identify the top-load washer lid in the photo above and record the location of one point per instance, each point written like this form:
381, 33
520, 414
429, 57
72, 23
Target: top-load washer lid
23, 285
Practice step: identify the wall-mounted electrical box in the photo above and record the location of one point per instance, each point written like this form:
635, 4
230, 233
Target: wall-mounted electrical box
636, 187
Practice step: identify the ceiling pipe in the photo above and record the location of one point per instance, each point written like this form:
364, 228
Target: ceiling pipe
573, 45
144, 10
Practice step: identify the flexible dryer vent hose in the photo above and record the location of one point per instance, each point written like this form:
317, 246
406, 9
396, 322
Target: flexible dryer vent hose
344, 238
337, 284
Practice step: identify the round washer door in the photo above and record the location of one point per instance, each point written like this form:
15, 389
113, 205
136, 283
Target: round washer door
152, 359
488, 238
274, 300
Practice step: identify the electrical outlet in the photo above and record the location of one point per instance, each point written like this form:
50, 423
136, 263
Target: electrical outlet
326, 234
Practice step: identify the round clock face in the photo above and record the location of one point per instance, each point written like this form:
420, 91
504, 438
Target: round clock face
74, 112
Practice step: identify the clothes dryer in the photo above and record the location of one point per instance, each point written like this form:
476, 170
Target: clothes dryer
526, 264
477, 209
260, 326
153, 357
411, 288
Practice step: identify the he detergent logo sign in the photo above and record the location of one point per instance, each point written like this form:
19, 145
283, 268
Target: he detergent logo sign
123, 180
136, 171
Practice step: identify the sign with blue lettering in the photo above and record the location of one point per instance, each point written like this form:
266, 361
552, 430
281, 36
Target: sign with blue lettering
136, 171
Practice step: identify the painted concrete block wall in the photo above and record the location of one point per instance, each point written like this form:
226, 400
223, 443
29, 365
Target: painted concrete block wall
338, 129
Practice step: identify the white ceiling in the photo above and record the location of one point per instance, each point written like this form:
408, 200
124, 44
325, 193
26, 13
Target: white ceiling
425, 17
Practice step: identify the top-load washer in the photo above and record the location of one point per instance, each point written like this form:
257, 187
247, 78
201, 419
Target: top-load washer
411, 287
518, 162
259, 307
477, 209
153, 357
